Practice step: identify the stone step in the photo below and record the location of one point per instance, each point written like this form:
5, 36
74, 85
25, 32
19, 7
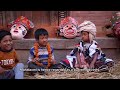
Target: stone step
62, 47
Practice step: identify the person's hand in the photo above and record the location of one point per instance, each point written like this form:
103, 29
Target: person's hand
2, 70
39, 64
77, 66
35, 59
92, 66
48, 66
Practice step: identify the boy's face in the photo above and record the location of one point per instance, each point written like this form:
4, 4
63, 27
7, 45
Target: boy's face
85, 36
6, 43
43, 40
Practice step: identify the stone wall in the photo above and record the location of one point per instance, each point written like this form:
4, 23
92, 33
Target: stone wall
62, 47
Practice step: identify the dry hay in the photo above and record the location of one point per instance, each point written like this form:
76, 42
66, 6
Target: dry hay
114, 73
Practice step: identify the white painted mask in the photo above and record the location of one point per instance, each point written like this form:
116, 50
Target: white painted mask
18, 31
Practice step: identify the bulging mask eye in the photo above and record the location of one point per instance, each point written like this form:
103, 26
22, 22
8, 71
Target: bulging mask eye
66, 26
19, 27
14, 26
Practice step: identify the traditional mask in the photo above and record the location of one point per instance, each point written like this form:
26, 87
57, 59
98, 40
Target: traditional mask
68, 27
20, 27
18, 31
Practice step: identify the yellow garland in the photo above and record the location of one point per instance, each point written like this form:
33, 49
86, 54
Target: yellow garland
36, 47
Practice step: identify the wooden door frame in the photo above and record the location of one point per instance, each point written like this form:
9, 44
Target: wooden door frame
62, 15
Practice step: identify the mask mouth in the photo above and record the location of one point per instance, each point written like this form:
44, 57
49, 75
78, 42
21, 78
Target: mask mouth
70, 31
70, 28
15, 31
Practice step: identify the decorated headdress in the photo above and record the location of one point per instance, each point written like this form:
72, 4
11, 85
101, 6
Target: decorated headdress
68, 20
23, 21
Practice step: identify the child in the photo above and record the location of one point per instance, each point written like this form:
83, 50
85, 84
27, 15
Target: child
9, 66
90, 51
41, 54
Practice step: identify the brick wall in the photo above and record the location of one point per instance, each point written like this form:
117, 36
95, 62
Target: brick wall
49, 19
100, 18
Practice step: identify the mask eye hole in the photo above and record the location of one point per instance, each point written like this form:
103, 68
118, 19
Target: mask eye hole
14, 26
19, 27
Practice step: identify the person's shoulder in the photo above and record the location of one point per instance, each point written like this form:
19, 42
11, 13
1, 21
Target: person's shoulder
95, 42
81, 43
1, 52
32, 48
13, 51
52, 48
